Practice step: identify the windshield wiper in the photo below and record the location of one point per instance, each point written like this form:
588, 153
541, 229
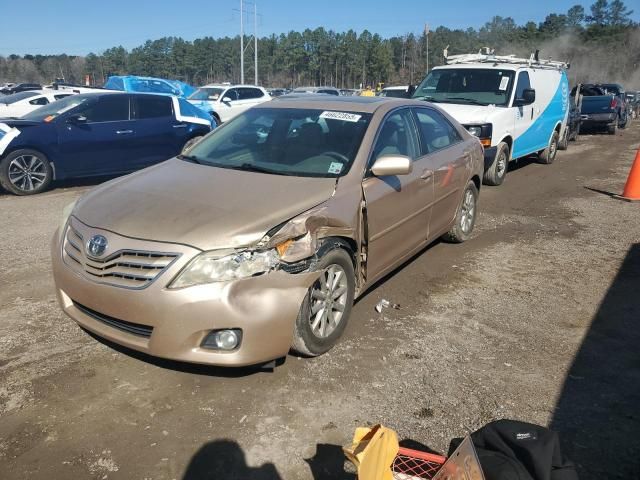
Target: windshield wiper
190, 158
252, 167
465, 99
426, 98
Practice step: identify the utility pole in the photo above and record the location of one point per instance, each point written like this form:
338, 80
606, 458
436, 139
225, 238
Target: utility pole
426, 34
241, 45
255, 43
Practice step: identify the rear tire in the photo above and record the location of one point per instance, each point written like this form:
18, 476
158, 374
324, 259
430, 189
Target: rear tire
548, 155
328, 300
465, 216
611, 129
563, 144
25, 172
498, 170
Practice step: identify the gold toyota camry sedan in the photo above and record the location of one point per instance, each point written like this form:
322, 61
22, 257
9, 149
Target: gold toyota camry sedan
257, 239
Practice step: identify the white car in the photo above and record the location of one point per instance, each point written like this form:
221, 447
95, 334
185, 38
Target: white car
224, 102
19, 104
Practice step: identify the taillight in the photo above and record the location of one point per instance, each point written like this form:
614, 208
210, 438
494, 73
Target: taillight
614, 102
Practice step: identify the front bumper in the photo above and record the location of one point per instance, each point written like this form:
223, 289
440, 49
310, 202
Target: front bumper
172, 323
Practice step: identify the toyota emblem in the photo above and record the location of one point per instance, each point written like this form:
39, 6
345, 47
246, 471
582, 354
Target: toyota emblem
97, 245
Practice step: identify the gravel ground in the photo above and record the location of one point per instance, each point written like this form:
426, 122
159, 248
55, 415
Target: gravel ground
535, 318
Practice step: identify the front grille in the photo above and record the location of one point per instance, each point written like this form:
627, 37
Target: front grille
124, 268
129, 327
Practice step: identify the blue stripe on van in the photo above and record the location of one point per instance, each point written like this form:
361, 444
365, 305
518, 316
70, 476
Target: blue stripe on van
537, 136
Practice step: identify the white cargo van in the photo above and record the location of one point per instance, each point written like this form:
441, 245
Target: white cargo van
515, 106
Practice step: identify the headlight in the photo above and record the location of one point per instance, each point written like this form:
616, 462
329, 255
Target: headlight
483, 132
475, 130
210, 267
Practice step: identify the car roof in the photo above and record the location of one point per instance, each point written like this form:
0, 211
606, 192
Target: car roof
330, 102
401, 87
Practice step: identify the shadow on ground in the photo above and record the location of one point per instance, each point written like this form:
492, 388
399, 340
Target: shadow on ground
598, 411
224, 459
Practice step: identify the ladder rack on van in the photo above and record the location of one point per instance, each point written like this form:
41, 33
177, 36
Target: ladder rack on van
532, 61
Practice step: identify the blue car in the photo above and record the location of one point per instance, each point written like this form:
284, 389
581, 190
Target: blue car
134, 83
95, 134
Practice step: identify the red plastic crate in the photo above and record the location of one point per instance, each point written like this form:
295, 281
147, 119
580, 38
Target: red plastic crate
413, 464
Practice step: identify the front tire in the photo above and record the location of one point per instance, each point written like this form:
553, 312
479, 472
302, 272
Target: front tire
498, 170
548, 155
327, 306
465, 216
25, 172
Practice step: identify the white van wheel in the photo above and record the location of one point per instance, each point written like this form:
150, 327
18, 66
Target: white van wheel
496, 172
548, 155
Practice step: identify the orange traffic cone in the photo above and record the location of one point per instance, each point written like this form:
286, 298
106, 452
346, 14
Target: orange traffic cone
631, 191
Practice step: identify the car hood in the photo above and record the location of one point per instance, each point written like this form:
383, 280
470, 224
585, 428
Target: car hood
205, 207
471, 114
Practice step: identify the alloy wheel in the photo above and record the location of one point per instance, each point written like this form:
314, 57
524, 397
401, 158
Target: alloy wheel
468, 212
328, 301
27, 172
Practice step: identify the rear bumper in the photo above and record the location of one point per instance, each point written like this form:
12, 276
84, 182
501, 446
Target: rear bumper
172, 324
598, 119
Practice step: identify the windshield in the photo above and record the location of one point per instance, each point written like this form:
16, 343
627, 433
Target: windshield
475, 86
49, 112
285, 141
16, 97
206, 93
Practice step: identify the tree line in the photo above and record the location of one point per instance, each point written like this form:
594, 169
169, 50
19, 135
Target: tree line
603, 42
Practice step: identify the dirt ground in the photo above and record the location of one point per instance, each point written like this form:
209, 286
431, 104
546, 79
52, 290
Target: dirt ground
535, 318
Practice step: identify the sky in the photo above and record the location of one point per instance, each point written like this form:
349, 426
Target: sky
77, 28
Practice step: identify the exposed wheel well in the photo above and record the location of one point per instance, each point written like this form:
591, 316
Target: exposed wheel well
509, 142
477, 182
217, 117
347, 243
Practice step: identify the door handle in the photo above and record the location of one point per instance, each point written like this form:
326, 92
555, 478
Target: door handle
426, 175
181, 125
123, 132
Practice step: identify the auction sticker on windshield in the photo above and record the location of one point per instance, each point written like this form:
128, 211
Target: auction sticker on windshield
504, 82
6, 135
335, 167
347, 117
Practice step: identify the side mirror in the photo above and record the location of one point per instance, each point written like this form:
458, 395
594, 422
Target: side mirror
528, 97
77, 119
388, 165
226, 100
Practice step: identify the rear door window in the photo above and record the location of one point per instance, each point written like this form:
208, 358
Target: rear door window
152, 106
109, 108
246, 93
